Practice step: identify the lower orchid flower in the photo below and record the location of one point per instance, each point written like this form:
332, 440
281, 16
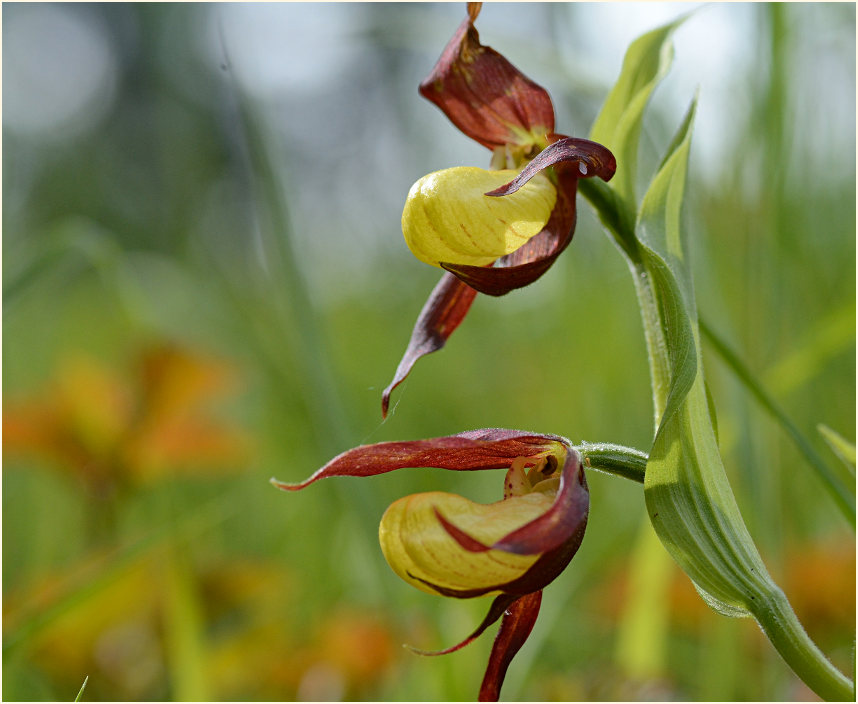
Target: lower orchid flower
446, 544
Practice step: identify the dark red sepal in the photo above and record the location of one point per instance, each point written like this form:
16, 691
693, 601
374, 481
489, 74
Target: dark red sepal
488, 448
496, 610
484, 95
517, 623
530, 261
446, 307
577, 157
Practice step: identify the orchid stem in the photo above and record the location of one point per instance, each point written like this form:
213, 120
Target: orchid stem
771, 610
626, 462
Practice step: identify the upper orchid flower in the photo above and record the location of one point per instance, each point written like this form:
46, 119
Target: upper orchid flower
445, 544
498, 230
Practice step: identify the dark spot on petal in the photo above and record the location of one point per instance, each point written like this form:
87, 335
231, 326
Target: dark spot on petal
550, 465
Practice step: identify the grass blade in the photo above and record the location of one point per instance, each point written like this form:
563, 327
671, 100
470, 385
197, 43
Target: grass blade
843, 497
82, 687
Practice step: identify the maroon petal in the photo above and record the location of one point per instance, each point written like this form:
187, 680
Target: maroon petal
530, 261
496, 610
563, 519
515, 627
484, 95
474, 450
557, 534
447, 306
542, 572
579, 157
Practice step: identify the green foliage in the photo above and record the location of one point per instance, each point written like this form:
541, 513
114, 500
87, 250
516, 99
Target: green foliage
172, 220
688, 497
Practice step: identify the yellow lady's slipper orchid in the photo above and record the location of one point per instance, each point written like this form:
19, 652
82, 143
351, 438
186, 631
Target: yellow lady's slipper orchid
448, 218
445, 544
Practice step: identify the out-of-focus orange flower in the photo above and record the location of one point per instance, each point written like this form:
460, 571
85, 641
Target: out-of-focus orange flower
113, 431
359, 645
349, 655
819, 580
110, 632
112, 623
820, 583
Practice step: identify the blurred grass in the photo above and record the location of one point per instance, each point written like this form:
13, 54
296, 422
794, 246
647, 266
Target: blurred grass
167, 223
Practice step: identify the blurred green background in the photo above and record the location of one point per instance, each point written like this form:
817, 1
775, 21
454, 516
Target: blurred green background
204, 285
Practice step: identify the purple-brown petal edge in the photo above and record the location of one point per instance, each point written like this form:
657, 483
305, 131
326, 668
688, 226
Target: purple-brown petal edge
579, 157
473, 450
517, 623
445, 309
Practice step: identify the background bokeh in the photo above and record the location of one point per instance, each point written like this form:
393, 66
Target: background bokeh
204, 285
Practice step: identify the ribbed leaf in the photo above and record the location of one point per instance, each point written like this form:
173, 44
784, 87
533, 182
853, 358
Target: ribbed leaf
688, 497
618, 125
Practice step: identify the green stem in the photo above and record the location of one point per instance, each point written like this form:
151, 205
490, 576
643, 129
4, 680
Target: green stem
771, 609
656, 345
622, 461
782, 627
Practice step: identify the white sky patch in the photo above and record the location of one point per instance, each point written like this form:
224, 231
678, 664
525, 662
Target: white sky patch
278, 47
59, 72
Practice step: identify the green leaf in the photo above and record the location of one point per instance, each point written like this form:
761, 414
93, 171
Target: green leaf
618, 125
688, 497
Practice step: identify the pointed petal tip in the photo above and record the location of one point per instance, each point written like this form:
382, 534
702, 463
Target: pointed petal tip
499, 607
445, 651
285, 486
442, 313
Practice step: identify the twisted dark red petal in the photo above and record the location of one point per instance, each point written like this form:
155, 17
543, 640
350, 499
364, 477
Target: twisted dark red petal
557, 534
471, 451
548, 532
530, 261
572, 159
496, 610
580, 158
445, 309
483, 94
515, 628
